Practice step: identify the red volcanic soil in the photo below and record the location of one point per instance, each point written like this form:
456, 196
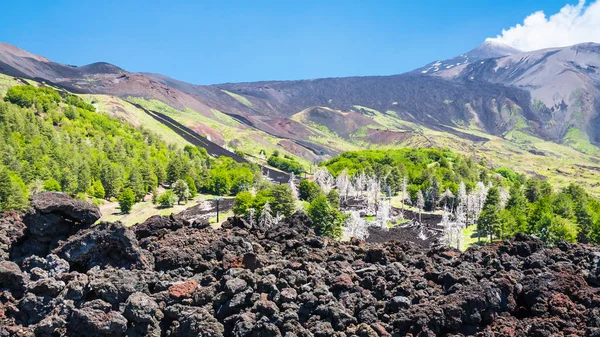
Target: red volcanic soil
387, 136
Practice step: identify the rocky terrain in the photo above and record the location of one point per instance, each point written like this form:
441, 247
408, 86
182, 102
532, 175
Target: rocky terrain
62, 276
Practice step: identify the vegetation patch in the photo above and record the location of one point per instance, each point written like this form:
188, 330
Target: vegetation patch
239, 98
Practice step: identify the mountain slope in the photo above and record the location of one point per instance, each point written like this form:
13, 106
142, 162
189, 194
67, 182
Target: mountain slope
500, 107
564, 84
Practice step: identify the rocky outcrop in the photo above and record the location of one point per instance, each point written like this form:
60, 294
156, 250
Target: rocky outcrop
12, 231
106, 244
175, 278
52, 218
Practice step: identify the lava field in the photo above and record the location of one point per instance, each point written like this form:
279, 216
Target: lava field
63, 275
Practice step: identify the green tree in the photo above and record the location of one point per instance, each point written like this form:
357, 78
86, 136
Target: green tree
309, 190
167, 199
126, 200
219, 183
181, 189
562, 229
536, 189
174, 170
112, 179
241, 179
155, 196
489, 221
136, 184
192, 186
585, 222
334, 198
283, 200
6, 188
262, 197
83, 178
52, 185
243, 201
327, 221
96, 190
515, 220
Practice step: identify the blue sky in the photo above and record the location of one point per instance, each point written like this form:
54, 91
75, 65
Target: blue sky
207, 42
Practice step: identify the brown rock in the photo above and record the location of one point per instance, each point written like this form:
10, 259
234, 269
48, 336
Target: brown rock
183, 289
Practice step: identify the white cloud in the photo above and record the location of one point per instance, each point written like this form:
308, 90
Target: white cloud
573, 24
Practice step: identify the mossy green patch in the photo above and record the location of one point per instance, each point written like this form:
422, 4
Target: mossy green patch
239, 98
580, 141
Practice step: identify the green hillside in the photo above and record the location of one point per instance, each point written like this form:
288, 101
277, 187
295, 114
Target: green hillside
55, 141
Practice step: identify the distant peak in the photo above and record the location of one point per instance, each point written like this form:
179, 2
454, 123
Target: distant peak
10, 49
491, 43
492, 49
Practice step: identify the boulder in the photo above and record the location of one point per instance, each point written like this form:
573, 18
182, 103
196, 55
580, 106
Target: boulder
106, 244
56, 214
96, 323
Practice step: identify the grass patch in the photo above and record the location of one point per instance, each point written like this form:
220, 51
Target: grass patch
470, 238
143, 210
222, 217
239, 98
580, 141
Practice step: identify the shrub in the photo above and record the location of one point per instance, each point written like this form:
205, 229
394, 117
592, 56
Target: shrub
167, 199
126, 200
52, 185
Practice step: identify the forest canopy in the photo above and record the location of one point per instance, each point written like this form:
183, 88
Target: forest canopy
58, 142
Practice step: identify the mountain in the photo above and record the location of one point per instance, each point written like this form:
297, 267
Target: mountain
512, 107
563, 82
487, 50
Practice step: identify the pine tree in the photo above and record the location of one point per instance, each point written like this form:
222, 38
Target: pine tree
181, 189
383, 215
489, 221
334, 198
136, 184
283, 200
292, 184
251, 217
5, 188
324, 179
192, 186
446, 196
356, 227
96, 190
433, 195
126, 200
342, 182
83, 178
326, 219
420, 203
174, 170
516, 221
404, 196
373, 192
266, 220
111, 178
585, 223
